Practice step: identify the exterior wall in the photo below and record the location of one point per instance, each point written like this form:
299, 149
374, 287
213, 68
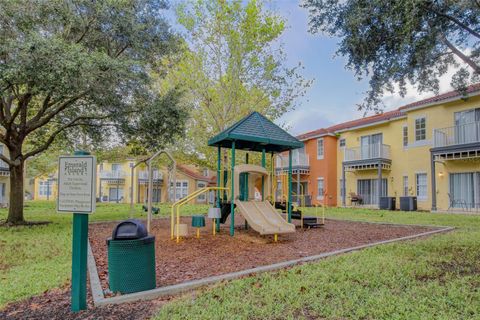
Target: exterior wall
414, 158
4, 179
53, 187
323, 168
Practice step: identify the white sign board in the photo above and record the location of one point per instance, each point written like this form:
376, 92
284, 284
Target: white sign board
76, 184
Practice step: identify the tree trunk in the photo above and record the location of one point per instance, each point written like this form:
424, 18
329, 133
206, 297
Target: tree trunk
15, 210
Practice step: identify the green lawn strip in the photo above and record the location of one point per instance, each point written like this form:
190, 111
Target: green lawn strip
433, 278
37, 258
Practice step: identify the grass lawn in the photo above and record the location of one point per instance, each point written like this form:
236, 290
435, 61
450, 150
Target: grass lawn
34, 259
433, 278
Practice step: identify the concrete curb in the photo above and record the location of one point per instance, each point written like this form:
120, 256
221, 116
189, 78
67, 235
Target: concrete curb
100, 300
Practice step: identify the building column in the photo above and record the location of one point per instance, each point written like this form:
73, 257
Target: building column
379, 182
344, 186
434, 183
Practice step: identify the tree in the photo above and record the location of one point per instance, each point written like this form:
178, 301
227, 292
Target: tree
396, 42
233, 64
76, 68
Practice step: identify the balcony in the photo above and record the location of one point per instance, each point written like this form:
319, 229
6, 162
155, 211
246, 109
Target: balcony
300, 163
113, 175
457, 142
157, 175
457, 135
368, 157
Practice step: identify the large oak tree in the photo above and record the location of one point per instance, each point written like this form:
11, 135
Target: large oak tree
79, 64
402, 41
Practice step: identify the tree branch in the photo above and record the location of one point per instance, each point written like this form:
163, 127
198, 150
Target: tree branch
33, 125
460, 54
454, 20
52, 137
5, 159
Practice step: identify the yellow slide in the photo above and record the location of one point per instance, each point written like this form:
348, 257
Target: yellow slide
263, 217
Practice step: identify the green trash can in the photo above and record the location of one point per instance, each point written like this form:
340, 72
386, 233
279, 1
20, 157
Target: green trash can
131, 258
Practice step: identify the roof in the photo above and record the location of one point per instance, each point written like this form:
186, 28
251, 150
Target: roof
389, 115
255, 132
193, 174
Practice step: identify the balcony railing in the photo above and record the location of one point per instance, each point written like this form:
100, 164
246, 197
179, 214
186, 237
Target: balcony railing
457, 135
298, 160
371, 151
116, 174
157, 175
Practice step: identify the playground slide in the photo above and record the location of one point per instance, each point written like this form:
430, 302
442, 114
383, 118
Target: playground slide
263, 217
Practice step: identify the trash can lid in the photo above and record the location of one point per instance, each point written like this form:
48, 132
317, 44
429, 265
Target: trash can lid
129, 229
144, 240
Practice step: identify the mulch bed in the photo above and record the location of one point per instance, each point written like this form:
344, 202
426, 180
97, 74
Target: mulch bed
55, 305
210, 255
198, 258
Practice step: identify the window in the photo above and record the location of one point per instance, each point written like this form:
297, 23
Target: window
342, 189
320, 148
320, 188
116, 167
45, 188
405, 136
420, 129
421, 179
202, 197
342, 143
181, 190
205, 172
405, 186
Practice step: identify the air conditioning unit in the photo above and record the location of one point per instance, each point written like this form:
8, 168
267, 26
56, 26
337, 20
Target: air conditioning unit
387, 203
408, 203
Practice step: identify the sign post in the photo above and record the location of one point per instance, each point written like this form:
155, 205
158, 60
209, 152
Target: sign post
76, 193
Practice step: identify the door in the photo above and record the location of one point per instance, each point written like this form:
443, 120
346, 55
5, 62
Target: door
115, 194
368, 190
2, 193
371, 146
462, 189
467, 126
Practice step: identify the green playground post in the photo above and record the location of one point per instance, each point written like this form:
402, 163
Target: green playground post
245, 188
290, 186
79, 257
219, 192
263, 178
232, 193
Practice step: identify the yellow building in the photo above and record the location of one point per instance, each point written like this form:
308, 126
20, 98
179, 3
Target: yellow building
429, 145
4, 179
114, 183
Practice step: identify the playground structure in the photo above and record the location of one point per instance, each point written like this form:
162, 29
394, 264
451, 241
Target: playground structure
171, 183
236, 185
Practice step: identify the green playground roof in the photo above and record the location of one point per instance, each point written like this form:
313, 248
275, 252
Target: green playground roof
255, 132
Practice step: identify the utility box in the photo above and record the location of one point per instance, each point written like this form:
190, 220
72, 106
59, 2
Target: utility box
408, 203
131, 258
387, 203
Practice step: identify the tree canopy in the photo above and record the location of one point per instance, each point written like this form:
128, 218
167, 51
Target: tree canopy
404, 41
233, 64
81, 68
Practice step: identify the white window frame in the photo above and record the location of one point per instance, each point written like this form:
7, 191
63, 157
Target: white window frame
201, 197
320, 155
320, 195
421, 197
424, 129
45, 188
405, 186
405, 136
181, 189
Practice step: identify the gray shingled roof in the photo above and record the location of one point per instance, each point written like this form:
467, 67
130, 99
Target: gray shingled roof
255, 132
